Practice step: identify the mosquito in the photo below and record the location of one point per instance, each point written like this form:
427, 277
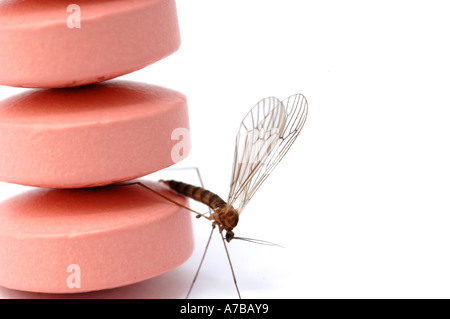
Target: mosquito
264, 137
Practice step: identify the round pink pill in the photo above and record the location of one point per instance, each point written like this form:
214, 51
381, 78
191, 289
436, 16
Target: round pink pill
91, 135
54, 43
78, 240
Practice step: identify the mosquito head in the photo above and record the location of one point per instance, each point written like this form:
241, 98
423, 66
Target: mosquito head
229, 236
228, 218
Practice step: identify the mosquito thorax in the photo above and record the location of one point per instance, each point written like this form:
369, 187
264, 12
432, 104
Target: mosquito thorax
227, 218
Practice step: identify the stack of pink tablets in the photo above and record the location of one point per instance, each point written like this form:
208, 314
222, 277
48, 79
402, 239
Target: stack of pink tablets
76, 232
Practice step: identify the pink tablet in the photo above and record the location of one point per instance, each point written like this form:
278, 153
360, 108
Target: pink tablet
70, 241
91, 135
56, 43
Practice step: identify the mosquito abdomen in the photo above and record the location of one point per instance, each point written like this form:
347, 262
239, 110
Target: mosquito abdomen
198, 193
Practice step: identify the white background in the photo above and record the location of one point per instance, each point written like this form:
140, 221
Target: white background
361, 201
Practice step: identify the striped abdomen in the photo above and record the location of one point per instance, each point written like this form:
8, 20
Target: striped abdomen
199, 194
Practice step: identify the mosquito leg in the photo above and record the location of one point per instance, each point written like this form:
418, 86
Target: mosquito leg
185, 168
201, 262
231, 266
197, 170
163, 196
203, 186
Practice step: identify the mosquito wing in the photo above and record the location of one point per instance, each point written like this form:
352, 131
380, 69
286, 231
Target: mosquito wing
258, 132
265, 135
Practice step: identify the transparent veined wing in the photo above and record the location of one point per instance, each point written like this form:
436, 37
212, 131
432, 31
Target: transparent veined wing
258, 131
265, 135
